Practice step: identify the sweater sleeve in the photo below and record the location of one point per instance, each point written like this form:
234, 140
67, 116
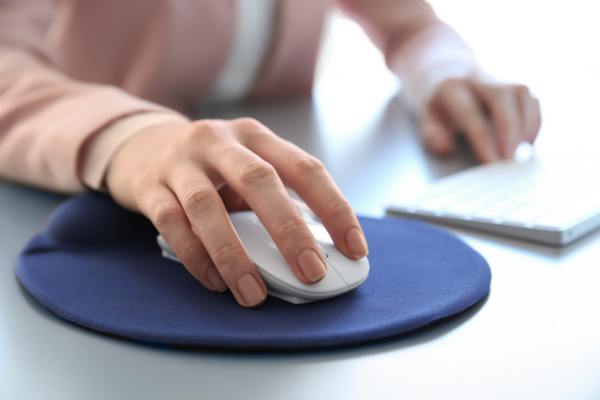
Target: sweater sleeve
418, 47
101, 148
47, 118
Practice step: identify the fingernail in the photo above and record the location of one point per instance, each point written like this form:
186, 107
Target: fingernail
215, 279
250, 289
311, 265
356, 243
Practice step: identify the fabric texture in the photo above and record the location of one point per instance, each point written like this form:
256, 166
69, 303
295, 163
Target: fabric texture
254, 27
72, 70
99, 266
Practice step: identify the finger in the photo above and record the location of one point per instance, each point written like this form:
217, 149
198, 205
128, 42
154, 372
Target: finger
163, 209
466, 112
502, 105
258, 183
311, 181
530, 111
437, 137
207, 215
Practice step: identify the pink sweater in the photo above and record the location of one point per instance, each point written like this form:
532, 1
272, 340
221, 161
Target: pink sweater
80, 77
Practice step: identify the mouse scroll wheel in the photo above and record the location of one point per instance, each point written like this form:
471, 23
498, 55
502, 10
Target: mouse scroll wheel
325, 255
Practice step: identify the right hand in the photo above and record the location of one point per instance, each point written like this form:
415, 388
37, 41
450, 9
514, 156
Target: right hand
494, 117
185, 177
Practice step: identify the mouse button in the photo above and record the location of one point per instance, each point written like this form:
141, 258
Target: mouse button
320, 233
351, 271
254, 236
245, 225
323, 252
241, 217
330, 284
267, 257
272, 263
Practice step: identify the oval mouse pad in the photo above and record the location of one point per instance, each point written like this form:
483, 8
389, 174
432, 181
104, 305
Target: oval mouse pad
99, 266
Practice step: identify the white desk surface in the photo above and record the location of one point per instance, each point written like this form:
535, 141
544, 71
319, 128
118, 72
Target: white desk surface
537, 336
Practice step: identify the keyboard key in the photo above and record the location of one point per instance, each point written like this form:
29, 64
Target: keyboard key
513, 195
521, 217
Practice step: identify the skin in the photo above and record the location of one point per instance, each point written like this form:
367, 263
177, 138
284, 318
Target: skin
495, 118
186, 177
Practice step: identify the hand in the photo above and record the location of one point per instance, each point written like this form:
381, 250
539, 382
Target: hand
185, 177
494, 117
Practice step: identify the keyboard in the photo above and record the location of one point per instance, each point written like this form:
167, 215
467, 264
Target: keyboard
527, 200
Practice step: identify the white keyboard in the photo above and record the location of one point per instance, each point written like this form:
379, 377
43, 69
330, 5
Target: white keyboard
527, 200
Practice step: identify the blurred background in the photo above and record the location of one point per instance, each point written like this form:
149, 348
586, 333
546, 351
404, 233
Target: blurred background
551, 46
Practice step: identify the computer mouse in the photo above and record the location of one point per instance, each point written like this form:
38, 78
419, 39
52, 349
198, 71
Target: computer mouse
343, 273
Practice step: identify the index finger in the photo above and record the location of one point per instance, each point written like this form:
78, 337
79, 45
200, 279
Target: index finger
467, 114
258, 183
208, 216
310, 179
505, 115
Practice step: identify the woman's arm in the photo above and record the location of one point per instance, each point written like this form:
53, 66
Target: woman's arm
185, 176
443, 81
47, 119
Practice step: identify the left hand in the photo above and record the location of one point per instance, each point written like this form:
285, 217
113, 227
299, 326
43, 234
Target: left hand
494, 117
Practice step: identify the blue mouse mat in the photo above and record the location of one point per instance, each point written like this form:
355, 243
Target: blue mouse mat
99, 266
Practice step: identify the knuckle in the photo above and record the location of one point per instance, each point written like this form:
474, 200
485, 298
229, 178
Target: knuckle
339, 207
189, 255
289, 228
198, 198
255, 172
305, 164
251, 129
204, 129
226, 255
523, 89
249, 123
164, 215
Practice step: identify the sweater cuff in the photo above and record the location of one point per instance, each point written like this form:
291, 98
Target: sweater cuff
103, 146
430, 58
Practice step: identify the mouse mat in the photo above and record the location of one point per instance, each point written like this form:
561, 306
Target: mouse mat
98, 265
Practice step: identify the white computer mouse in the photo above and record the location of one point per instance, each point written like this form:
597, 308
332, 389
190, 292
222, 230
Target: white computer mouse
343, 273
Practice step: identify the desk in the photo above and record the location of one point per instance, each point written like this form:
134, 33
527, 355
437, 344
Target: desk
537, 336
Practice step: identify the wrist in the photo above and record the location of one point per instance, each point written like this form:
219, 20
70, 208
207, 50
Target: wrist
102, 146
127, 167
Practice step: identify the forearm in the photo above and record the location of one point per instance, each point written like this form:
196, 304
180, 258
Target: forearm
49, 122
46, 120
418, 47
